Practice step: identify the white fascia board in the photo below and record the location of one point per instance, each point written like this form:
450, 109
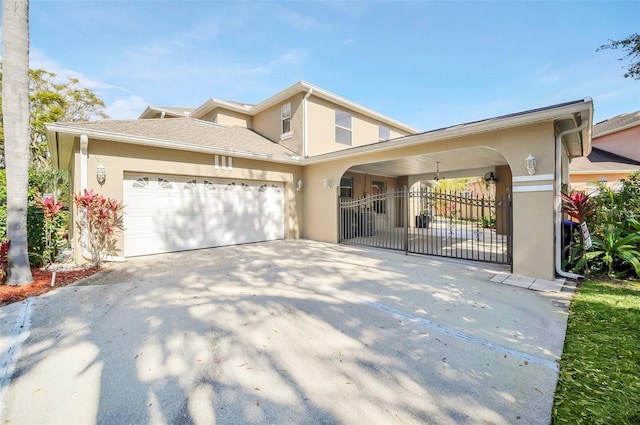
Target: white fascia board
169, 144
213, 103
460, 130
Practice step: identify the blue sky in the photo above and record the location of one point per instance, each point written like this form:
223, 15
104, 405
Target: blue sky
427, 64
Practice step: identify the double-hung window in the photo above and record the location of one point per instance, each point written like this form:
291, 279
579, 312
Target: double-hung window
285, 120
343, 128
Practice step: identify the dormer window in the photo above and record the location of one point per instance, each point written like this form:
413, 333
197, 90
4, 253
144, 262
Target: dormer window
285, 120
343, 127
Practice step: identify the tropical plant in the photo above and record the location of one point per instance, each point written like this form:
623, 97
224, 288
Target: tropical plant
4, 261
577, 205
41, 181
15, 117
100, 217
51, 210
619, 249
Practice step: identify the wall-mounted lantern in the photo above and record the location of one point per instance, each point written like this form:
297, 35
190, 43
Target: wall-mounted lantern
531, 164
101, 174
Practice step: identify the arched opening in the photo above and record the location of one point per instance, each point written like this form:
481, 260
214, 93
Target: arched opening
453, 204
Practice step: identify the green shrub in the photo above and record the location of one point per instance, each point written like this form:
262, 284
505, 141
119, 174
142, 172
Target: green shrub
41, 180
614, 226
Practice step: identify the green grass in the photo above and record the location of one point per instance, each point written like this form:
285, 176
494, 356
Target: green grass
600, 367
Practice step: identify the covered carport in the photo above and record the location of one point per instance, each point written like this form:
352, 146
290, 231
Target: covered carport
552, 135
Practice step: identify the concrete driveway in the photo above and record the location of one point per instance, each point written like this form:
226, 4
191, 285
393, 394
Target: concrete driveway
285, 332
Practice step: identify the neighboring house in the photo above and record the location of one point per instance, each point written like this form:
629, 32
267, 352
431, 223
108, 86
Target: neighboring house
227, 173
615, 154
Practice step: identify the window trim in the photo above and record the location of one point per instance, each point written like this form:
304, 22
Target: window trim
283, 118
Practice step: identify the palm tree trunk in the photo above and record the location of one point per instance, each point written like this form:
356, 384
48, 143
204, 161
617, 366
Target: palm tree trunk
15, 108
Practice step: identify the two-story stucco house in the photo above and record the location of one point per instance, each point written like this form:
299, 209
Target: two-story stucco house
228, 173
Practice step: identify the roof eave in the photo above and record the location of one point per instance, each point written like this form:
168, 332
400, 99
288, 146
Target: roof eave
54, 130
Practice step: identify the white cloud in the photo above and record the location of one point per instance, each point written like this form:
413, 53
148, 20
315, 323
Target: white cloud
38, 60
348, 41
126, 108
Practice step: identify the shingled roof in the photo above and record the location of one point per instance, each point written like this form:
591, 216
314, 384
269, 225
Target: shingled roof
600, 161
179, 133
617, 123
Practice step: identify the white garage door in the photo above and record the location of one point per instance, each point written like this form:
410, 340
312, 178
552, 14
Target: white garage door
174, 213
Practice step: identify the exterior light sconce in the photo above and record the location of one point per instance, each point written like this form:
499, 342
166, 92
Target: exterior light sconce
490, 178
531, 164
299, 186
326, 183
101, 174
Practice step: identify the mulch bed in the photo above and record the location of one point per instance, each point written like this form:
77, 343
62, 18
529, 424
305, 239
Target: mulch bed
42, 284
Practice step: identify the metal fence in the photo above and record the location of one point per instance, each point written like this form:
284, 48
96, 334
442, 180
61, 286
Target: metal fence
425, 222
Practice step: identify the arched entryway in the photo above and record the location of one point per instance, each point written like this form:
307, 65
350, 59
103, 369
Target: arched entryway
420, 214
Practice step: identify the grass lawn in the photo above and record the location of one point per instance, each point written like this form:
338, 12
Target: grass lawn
600, 367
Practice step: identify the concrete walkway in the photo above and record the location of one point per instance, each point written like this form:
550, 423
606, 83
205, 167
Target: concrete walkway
285, 332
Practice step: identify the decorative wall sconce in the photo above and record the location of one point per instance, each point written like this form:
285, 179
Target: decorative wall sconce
299, 186
531, 164
327, 183
101, 174
490, 178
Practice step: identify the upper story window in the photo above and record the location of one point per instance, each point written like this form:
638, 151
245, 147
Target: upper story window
285, 119
343, 127
383, 133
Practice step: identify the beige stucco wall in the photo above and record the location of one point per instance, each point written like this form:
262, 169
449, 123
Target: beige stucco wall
533, 218
119, 158
267, 123
321, 128
229, 118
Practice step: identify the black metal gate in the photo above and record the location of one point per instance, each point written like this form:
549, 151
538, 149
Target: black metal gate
425, 222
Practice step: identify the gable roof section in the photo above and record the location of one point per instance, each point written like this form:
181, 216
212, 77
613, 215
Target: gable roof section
600, 161
172, 111
177, 133
299, 87
617, 123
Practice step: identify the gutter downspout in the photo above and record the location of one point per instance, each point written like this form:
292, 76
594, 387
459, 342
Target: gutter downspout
558, 203
84, 144
305, 142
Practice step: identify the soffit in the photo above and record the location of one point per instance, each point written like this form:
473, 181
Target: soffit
448, 161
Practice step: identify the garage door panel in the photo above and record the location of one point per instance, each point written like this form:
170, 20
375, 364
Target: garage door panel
173, 213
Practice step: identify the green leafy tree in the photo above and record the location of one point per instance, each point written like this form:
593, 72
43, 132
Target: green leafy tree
631, 48
52, 101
